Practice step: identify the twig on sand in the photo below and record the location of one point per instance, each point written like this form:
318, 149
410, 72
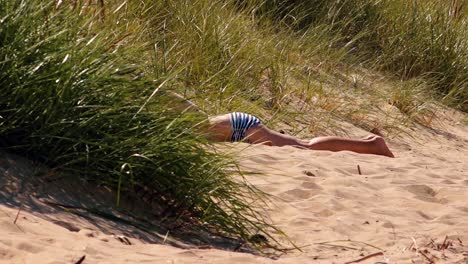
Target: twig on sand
17, 215
334, 245
165, 237
415, 244
365, 257
445, 245
81, 260
425, 256
425, 253
349, 241
123, 240
359, 169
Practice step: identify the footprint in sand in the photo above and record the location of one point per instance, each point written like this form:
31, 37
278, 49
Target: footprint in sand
386, 212
388, 224
448, 219
433, 175
463, 209
309, 185
447, 182
6, 254
325, 213
6, 242
424, 215
302, 178
28, 247
346, 194
421, 190
299, 194
10, 227
423, 193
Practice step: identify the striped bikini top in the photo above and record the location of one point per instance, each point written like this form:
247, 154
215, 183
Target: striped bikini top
240, 123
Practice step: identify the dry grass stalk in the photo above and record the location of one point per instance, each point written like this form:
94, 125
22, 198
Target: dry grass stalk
81, 260
365, 257
17, 215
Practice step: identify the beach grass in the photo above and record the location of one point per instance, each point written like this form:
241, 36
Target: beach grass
259, 56
79, 98
406, 39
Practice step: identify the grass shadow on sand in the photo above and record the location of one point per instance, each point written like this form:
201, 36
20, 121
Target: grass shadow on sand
76, 204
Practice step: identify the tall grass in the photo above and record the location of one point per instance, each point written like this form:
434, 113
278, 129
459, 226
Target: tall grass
422, 39
234, 61
225, 58
253, 55
77, 94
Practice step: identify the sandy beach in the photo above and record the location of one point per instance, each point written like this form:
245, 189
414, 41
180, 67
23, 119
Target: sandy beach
337, 207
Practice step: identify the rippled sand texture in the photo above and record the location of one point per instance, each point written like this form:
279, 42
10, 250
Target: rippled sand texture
410, 209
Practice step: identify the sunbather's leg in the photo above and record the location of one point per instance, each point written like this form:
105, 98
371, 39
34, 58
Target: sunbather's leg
263, 135
369, 145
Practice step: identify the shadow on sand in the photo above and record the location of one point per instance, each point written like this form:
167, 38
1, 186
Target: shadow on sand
76, 204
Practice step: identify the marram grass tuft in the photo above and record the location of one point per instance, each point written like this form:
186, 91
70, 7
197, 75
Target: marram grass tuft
76, 96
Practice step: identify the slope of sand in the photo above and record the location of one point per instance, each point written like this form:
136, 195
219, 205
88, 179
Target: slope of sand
410, 209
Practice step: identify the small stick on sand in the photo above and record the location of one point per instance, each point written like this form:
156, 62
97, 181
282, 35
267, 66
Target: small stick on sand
349, 241
431, 243
81, 260
445, 244
366, 257
17, 215
424, 255
359, 169
165, 237
334, 245
415, 244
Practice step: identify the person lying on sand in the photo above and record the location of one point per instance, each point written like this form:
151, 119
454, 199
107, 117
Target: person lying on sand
237, 126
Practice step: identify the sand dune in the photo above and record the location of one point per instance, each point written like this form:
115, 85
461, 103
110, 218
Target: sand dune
338, 207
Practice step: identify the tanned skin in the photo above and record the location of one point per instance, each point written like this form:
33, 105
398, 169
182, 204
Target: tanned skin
219, 129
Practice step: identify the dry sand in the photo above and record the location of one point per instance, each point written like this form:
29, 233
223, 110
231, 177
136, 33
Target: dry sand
401, 209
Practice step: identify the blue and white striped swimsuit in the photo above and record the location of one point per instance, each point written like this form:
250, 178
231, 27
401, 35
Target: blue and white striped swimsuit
240, 123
